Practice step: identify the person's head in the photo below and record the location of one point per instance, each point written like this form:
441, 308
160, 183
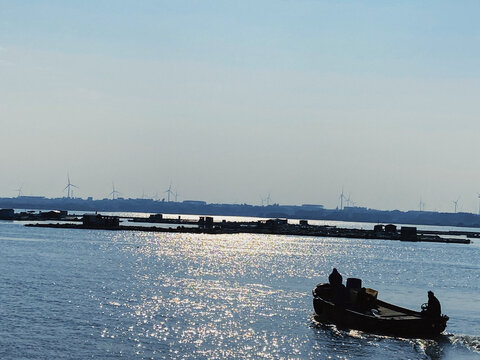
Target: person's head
334, 270
430, 294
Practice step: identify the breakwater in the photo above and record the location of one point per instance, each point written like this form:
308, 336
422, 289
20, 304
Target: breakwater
207, 225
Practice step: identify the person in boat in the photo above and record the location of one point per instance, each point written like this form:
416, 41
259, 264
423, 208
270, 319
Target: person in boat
335, 278
339, 292
362, 300
433, 308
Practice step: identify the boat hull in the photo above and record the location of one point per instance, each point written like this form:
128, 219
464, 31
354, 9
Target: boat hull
406, 323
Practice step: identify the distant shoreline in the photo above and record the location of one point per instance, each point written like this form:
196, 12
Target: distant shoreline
307, 211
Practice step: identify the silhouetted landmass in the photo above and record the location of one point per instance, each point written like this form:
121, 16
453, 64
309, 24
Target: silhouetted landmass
207, 225
307, 211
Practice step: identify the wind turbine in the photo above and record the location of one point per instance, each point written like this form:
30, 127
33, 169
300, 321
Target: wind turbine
348, 201
455, 203
19, 190
421, 205
342, 197
169, 192
114, 192
268, 199
176, 195
69, 186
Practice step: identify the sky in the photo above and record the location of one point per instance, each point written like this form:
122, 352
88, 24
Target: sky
230, 101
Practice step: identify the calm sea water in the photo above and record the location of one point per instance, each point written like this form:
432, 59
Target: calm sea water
77, 294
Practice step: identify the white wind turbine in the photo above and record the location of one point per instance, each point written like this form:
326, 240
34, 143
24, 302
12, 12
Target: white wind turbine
69, 186
342, 198
19, 191
114, 192
455, 203
169, 192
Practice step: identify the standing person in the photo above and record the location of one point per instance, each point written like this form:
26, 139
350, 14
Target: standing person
335, 278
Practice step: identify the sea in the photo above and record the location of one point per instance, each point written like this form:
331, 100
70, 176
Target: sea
97, 294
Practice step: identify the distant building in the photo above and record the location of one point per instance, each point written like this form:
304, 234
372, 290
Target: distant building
205, 222
100, 221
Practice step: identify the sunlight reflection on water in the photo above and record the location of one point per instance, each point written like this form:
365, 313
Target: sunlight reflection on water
239, 295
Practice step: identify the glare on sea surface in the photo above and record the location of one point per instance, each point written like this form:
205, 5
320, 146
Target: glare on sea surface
217, 296
213, 285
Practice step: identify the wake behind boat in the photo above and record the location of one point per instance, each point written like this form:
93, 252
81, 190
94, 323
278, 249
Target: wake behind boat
354, 307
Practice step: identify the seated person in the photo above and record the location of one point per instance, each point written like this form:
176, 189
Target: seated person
433, 308
335, 278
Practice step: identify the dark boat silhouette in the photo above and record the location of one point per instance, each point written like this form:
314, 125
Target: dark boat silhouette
343, 307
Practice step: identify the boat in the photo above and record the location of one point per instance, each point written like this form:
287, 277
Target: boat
359, 309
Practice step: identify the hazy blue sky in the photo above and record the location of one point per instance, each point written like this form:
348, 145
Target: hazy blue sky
231, 101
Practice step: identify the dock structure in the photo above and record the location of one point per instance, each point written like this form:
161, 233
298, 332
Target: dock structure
207, 225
